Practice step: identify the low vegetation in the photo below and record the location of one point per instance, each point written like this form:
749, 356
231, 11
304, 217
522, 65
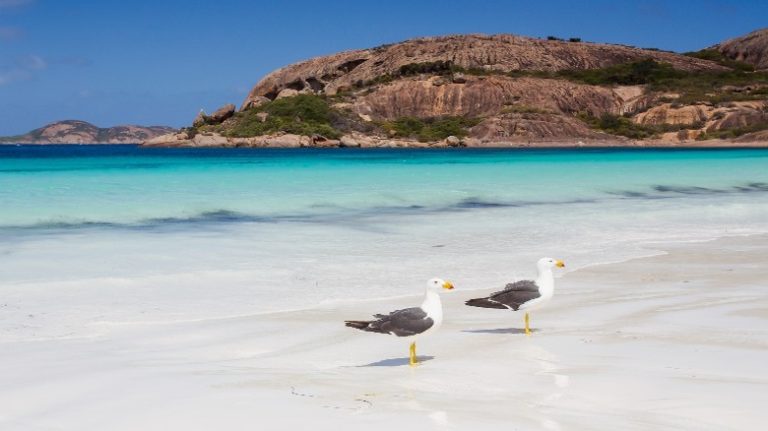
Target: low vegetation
559, 39
620, 126
633, 73
411, 69
704, 86
733, 132
623, 126
715, 88
429, 129
431, 67
719, 58
698, 86
310, 115
303, 114
640, 72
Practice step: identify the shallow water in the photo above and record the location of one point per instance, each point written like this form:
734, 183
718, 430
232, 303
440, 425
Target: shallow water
64, 185
127, 234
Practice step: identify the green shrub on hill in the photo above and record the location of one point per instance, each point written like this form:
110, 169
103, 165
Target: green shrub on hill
431, 67
303, 114
701, 86
634, 73
622, 126
523, 109
708, 87
429, 129
309, 115
719, 58
733, 133
693, 86
616, 125
439, 67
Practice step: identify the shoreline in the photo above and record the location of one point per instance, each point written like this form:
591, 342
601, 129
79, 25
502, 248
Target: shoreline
702, 145
663, 248
358, 140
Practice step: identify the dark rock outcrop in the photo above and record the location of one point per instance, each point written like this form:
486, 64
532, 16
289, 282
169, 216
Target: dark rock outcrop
222, 113
219, 116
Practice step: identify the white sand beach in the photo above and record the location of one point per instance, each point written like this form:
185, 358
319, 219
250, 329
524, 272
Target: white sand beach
671, 342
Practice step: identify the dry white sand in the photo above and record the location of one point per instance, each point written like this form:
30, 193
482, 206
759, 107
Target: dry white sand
677, 341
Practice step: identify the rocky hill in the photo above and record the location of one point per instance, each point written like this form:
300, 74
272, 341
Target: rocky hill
81, 132
501, 53
500, 90
752, 49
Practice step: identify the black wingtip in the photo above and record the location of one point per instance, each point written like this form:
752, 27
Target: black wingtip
484, 303
357, 324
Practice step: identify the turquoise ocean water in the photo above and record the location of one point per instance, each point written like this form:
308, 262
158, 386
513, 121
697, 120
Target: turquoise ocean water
192, 233
126, 185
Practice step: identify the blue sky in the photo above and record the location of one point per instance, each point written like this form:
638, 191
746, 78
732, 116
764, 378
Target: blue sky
158, 62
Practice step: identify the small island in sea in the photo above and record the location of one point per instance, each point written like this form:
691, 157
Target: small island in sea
501, 91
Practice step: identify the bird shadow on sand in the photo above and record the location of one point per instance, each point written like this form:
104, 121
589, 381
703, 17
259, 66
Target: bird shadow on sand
397, 362
499, 331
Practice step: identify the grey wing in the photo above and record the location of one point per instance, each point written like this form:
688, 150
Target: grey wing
516, 294
522, 285
403, 323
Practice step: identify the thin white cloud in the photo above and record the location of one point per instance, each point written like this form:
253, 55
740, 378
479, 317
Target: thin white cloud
31, 65
70, 60
32, 62
8, 76
26, 68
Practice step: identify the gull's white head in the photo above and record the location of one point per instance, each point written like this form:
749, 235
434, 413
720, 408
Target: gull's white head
547, 263
438, 285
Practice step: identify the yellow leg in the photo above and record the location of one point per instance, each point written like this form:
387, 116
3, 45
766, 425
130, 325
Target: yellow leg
527, 325
413, 360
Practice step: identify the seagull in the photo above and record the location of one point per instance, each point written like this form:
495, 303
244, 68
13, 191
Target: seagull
524, 294
410, 323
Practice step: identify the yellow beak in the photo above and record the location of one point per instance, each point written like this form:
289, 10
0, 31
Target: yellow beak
447, 285
560, 264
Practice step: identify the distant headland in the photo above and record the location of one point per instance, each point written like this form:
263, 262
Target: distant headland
81, 132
